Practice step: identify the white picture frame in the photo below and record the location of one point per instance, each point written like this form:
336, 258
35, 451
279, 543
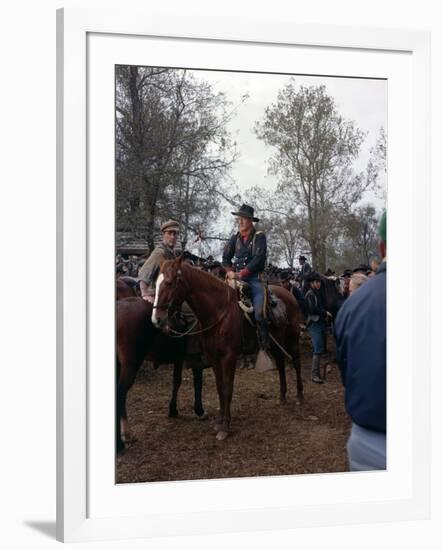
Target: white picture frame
87, 504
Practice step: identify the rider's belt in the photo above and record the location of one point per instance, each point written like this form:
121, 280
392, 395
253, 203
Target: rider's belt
239, 263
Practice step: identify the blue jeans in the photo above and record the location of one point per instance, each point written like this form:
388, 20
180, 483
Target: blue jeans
366, 449
257, 287
316, 330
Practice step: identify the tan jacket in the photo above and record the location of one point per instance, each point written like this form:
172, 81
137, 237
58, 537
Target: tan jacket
159, 254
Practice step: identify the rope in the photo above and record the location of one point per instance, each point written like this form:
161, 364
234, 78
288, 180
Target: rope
188, 333
280, 347
271, 336
181, 334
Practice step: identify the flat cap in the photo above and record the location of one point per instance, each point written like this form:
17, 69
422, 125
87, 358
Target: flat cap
170, 225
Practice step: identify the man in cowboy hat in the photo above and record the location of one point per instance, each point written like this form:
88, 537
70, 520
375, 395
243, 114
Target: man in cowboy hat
316, 316
345, 284
304, 273
362, 268
163, 251
293, 287
244, 258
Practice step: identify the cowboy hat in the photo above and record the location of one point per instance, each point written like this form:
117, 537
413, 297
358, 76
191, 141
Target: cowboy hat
246, 211
313, 277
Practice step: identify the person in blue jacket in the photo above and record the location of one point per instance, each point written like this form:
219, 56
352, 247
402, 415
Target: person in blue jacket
244, 258
316, 317
361, 334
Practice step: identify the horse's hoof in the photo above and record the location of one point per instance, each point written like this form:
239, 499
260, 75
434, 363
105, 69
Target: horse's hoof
220, 436
173, 414
217, 427
203, 416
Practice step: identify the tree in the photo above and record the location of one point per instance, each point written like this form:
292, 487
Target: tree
377, 164
359, 237
173, 151
314, 150
281, 223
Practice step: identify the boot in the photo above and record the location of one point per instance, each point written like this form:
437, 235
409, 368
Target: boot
263, 362
262, 332
316, 374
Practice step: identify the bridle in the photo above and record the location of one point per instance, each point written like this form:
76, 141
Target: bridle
168, 306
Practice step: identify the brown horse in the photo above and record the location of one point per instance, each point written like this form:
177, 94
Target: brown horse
123, 289
136, 340
225, 333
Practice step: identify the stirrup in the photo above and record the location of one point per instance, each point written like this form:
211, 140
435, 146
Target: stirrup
264, 362
243, 306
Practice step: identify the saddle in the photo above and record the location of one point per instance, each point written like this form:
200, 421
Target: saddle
275, 311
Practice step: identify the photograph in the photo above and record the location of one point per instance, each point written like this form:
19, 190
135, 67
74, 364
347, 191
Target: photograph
250, 270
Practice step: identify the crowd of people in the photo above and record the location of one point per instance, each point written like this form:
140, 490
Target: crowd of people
361, 338
360, 335
128, 265
359, 326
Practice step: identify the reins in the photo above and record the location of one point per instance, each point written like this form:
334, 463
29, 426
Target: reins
274, 340
177, 334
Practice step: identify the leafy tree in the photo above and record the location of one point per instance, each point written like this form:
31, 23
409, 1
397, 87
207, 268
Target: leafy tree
359, 242
281, 223
314, 149
173, 151
377, 164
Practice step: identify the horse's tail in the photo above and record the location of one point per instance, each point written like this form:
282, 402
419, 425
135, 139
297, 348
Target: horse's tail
118, 366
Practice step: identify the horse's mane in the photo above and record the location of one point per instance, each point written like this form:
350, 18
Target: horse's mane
196, 275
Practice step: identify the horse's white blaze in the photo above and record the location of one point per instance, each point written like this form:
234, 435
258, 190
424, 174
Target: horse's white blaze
157, 293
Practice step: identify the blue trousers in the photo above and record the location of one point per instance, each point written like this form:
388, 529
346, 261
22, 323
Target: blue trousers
316, 330
366, 449
257, 287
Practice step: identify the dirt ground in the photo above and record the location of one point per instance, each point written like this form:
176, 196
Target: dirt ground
267, 438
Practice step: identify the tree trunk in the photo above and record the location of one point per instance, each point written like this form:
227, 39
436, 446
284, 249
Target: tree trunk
151, 193
321, 258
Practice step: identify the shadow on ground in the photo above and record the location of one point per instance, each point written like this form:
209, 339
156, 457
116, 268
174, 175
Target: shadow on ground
45, 527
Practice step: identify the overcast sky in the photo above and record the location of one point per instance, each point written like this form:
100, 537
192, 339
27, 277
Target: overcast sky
361, 100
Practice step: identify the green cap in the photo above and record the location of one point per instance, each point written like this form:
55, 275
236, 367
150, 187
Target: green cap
383, 226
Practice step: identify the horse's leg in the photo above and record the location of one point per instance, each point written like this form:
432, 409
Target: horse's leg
198, 387
177, 377
118, 440
219, 388
228, 370
280, 364
126, 379
296, 355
